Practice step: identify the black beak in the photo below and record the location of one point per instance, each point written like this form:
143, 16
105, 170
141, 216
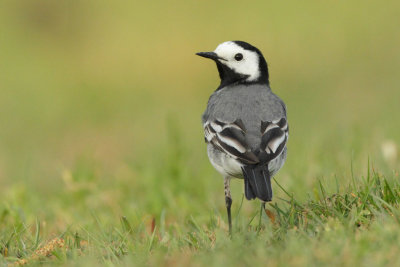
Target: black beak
210, 55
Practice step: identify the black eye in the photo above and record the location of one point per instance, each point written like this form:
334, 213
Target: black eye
238, 56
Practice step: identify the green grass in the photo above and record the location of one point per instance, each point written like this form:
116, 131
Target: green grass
101, 144
356, 224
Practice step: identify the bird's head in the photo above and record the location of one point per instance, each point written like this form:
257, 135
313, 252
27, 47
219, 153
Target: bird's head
239, 62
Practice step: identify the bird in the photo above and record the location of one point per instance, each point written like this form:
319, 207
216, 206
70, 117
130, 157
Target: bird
245, 124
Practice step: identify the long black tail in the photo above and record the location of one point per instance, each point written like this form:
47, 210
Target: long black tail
257, 182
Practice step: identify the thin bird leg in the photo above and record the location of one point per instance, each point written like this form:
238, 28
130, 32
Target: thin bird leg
228, 201
262, 208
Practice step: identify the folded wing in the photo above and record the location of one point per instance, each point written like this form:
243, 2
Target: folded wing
230, 138
274, 136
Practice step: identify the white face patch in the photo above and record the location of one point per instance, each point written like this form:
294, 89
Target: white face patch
247, 66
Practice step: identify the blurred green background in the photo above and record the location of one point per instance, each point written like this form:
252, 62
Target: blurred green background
100, 101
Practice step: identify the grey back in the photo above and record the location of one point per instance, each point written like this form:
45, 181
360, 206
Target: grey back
250, 103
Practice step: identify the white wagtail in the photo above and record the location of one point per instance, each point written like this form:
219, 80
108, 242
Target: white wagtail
245, 124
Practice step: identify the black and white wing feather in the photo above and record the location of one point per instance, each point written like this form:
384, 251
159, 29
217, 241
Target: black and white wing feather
230, 138
274, 138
